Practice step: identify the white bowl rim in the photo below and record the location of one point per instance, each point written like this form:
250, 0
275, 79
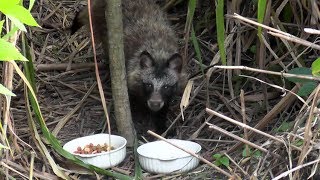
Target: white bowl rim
171, 158
98, 154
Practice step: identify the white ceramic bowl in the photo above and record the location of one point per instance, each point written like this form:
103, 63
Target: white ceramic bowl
162, 157
105, 159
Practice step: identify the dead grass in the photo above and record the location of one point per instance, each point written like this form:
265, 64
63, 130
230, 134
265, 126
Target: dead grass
63, 80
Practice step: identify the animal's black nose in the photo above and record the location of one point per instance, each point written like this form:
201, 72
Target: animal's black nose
155, 105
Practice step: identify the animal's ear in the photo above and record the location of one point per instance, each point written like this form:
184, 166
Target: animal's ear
175, 62
146, 60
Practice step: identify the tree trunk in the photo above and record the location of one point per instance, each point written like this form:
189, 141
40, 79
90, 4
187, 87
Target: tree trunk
118, 70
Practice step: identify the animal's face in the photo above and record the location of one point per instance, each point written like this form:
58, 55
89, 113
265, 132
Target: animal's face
159, 79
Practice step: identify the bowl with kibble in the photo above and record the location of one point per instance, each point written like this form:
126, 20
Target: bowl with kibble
97, 150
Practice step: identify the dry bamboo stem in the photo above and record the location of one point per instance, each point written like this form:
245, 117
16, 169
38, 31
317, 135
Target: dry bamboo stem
280, 34
287, 75
246, 126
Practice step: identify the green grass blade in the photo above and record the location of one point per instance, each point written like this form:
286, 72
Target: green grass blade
261, 12
191, 9
196, 48
220, 30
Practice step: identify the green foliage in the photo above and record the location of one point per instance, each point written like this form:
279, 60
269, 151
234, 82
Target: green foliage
307, 85
253, 49
17, 14
285, 126
31, 3
5, 91
196, 47
250, 153
220, 30
287, 13
316, 67
298, 142
221, 160
9, 52
299, 71
307, 88
1, 26
191, 9
261, 11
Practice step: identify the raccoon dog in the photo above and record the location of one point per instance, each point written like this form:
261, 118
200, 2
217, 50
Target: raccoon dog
153, 63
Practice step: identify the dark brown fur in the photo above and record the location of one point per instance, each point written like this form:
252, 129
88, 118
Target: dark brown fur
151, 53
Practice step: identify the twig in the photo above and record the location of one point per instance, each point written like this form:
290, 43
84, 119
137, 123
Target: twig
8, 167
288, 36
31, 165
65, 119
307, 132
287, 75
191, 153
284, 174
40, 175
120, 170
296, 40
270, 117
245, 126
236, 164
244, 120
240, 139
241, 124
63, 66
311, 31
278, 87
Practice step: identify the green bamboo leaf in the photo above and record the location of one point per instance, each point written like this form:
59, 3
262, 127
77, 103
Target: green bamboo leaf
17, 23
316, 67
9, 52
261, 12
10, 33
220, 30
16, 12
5, 91
196, 47
31, 3
1, 26
191, 9
299, 71
307, 88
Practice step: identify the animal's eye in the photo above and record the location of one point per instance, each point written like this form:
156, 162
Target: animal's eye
148, 85
166, 87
